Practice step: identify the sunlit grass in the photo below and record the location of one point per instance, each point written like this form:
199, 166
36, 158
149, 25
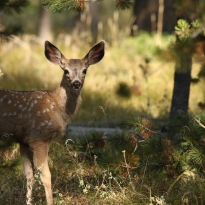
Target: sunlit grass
25, 68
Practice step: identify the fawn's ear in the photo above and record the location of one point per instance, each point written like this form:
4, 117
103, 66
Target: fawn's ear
53, 54
95, 54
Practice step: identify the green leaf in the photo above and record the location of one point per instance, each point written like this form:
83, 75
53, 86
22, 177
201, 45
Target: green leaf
58, 6
196, 24
182, 29
123, 4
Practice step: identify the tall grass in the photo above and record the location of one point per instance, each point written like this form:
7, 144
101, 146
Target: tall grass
25, 68
150, 79
78, 177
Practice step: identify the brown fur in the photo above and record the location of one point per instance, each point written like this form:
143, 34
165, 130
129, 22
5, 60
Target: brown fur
34, 118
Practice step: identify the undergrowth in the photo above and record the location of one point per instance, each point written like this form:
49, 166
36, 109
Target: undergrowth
147, 80
137, 165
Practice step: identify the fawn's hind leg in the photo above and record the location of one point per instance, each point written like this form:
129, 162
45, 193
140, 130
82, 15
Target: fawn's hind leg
28, 170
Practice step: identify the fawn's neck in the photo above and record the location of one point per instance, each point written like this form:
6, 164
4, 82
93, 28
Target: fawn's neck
68, 99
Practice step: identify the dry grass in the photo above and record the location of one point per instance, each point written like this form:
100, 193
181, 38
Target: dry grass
25, 68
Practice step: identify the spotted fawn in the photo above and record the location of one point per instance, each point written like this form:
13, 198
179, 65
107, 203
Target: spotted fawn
34, 118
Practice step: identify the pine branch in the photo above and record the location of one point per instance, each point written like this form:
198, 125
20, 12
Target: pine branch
59, 6
123, 4
11, 7
9, 32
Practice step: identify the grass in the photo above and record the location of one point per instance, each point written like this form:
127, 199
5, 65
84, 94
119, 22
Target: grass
25, 68
81, 179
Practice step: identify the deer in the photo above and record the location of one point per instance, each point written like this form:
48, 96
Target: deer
35, 118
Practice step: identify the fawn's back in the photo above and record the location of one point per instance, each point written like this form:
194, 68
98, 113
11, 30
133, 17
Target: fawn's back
34, 113
33, 118
28, 115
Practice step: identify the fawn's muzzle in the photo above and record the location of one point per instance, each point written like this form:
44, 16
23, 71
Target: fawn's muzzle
76, 85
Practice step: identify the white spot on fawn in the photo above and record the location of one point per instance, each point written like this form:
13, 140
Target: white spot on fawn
45, 110
42, 124
52, 105
20, 106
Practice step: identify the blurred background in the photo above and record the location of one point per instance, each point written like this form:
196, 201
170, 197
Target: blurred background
149, 87
136, 76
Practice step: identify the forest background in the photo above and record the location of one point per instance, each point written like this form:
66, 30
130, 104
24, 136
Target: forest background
157, 157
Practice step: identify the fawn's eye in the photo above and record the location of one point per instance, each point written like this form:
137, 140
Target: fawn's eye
84, 71
66, 72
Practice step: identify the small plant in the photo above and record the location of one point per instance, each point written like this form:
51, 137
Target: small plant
123, 90
157, 201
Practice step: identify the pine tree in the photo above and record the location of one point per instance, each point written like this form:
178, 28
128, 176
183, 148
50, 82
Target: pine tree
11, 7
79, 5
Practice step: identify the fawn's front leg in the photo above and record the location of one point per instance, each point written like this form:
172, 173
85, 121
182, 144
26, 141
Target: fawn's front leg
40, 151
28, 170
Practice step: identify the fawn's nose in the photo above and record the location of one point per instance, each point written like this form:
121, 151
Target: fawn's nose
76, 85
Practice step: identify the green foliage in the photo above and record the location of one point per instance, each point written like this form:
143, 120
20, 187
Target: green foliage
123, 4
182, 29
138, 165
123, 90
10, 7
13, 6
191, 136
189, 31
80, 5
6, 142
61, 6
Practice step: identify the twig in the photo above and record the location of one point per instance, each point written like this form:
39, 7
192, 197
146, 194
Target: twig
127, 166
197, 32
104, 115
144, 174
199, 123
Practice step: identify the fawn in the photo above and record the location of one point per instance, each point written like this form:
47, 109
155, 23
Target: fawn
34, 118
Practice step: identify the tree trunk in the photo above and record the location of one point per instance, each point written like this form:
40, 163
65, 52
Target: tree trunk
94, 12
145, 13
182, 75
182, 81
44, 25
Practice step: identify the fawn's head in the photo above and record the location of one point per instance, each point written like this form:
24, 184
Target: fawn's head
74, 69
